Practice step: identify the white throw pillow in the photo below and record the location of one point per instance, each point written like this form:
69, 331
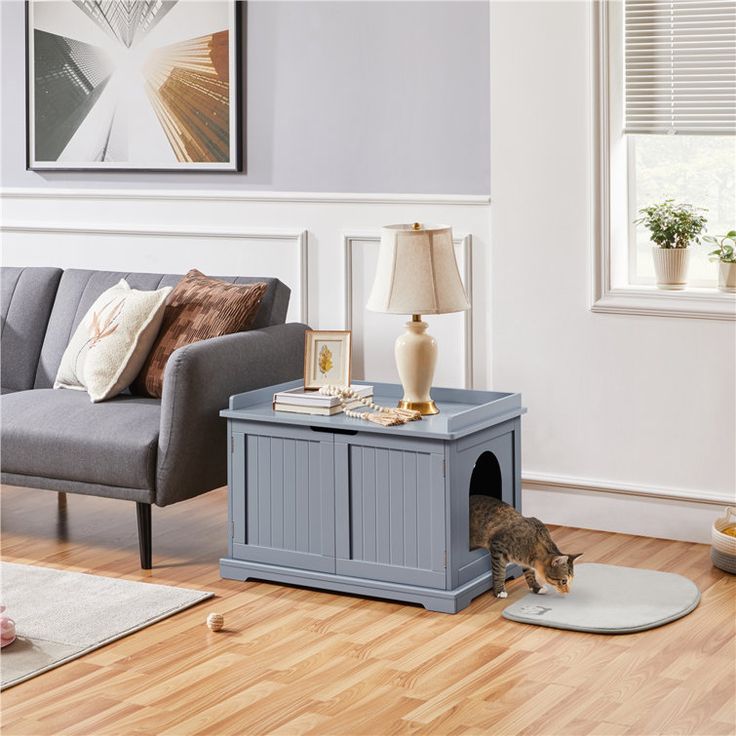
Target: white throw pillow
112, 341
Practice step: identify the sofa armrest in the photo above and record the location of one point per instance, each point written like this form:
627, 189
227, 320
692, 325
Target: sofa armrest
198, 382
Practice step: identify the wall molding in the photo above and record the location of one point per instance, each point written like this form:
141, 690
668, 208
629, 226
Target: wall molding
543, 481
649, 301
297, 237
463, 240
245, 196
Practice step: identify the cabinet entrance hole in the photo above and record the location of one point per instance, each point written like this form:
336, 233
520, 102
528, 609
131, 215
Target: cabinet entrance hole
485, 480
486, 477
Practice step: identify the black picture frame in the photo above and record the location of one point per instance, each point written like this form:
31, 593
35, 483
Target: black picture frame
237, 98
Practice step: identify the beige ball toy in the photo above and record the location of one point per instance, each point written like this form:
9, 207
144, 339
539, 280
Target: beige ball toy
215, 621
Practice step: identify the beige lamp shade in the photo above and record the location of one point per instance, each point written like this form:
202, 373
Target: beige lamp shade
417, 272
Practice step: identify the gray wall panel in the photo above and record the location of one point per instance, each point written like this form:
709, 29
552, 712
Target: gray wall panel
290, 493
277, 492
339, 97
408, 465
302, 496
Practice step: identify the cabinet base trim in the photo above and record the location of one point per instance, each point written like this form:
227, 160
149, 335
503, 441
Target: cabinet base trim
442, 601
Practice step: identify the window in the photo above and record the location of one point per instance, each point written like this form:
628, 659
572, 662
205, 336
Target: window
699, 169
667, 116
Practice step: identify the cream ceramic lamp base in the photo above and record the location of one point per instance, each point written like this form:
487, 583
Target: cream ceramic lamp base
416, 357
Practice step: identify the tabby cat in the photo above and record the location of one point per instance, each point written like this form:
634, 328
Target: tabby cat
511, 537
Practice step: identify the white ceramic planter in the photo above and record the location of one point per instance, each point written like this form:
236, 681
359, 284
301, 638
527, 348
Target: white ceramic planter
670, 265
727, 276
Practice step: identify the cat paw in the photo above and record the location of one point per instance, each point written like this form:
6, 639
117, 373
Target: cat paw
502, 594
542, 591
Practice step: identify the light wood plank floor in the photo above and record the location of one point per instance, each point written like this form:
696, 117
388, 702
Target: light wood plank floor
294, 661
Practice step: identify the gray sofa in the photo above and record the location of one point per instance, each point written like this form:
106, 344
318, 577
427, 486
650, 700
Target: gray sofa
149, 451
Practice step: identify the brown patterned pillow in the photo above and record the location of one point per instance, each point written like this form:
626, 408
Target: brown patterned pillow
198, 308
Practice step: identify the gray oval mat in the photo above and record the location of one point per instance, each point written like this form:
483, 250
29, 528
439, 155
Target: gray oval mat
607, 599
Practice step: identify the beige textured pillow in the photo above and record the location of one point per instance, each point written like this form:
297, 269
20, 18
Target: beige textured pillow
112, 341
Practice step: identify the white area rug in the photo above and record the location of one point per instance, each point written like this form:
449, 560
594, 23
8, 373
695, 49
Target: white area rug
60, 615
608, 599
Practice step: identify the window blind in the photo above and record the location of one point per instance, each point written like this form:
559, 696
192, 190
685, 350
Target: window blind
680, 58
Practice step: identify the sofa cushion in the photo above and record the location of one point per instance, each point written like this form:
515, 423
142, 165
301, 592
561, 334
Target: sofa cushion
61, 434
79, 289
113, 340
199, 308
26, 298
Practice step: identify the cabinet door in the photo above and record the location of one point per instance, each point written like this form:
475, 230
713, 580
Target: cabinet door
288, 515
390, 512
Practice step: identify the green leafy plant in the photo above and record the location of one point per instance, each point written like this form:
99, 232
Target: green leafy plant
725, 251
673, 225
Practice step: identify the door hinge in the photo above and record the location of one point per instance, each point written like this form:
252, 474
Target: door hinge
445, 559
231, 527
444, 468
232, 444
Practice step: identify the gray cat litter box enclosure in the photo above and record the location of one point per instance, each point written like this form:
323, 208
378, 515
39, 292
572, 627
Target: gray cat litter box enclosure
607, 599
341, 504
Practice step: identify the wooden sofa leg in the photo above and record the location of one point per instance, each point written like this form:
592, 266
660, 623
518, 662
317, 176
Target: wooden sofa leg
61, 500
145, 541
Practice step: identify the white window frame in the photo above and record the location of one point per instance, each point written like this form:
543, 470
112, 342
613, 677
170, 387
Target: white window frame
612, 231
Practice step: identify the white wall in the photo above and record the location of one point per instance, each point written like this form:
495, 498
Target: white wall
322, 246
621, 408
633, 403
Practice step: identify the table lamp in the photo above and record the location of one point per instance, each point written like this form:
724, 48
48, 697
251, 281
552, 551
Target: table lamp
417, 274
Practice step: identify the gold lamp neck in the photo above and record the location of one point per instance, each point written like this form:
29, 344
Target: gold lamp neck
416, 226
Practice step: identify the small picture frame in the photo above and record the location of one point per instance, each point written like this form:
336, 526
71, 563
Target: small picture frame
327, 358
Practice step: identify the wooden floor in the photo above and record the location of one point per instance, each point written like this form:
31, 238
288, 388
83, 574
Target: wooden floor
294, 661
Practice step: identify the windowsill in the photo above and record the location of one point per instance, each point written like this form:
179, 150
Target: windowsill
693, 302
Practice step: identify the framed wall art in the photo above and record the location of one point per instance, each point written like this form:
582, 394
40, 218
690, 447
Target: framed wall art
133, 85
327, 358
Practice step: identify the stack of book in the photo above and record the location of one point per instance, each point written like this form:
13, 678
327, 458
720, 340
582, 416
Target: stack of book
301, 401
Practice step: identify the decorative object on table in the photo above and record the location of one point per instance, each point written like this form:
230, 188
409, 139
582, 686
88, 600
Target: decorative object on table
62, 615
383, 415
327, 358
673, 228
609, 599
303, 401
133, 85
112, 342
417, 274
725, 256
215, 622
723, 541
7, 629
198, 308
318, 411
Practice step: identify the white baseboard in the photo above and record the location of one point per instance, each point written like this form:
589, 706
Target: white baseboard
533, 479
670, 514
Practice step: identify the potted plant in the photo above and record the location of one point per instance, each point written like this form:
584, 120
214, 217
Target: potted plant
725, 254
672, 227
